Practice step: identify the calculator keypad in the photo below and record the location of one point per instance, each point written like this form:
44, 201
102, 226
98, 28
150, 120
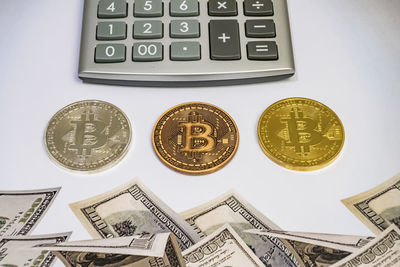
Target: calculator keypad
191, 42
223, 34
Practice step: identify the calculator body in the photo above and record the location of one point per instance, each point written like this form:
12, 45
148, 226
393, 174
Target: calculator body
201, 70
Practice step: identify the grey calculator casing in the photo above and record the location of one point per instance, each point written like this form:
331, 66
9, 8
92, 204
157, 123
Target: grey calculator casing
186, 73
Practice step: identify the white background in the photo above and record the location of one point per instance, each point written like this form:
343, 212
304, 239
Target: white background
347, 57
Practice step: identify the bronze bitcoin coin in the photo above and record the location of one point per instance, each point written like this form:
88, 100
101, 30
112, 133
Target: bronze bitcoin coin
300, 134
88, 135
195, 138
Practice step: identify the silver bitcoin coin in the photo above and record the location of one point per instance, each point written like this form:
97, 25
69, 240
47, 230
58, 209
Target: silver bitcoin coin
88, 136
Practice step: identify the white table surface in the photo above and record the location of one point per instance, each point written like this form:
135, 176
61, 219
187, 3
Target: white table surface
347, 57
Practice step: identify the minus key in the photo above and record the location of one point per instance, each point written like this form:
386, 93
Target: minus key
260, 28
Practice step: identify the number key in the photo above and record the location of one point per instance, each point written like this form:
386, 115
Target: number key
184, 8
112, 9
115, 30
148, 8
150, 51
147, 29
109, 53
184, 29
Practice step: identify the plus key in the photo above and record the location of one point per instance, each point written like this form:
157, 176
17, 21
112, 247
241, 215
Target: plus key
224, 40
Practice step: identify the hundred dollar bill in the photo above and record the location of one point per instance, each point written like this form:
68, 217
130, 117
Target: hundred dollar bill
378, 207
222, 248
318, 249
147, 250
21, 211
383, 251
131, 209
314, 255
349, 243
17, 251
241, 215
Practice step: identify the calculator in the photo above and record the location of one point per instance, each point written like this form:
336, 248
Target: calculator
185, 42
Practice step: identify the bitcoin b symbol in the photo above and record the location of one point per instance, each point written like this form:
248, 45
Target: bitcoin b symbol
197, 135
302, 133
89, 134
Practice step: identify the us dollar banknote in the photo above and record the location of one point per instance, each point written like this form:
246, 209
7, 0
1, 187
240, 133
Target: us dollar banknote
16, 251
147, 250
314, 255
241, 215
21, 211
129, 210
383, 251
317, 249
222, 248
349, 243
378, 207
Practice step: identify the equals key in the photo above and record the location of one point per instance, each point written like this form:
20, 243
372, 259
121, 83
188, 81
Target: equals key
262, 50
260, 28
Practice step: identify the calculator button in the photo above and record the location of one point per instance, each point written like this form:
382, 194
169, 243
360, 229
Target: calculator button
258, 8
112, 9
222, 8
262, 50
260, 28
184, 51
147, 29
184, 29
147, 51
115, 30
184, 8
148, 8
224, 39
109, 53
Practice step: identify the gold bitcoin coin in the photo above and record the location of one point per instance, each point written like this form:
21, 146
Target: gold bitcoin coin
300, 134
195, 138
88, 135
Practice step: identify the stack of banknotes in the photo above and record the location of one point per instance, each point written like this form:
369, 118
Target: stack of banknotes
132, 227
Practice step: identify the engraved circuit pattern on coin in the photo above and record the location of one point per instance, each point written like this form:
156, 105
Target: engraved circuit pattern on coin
195, 138
300, 134
88, 135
